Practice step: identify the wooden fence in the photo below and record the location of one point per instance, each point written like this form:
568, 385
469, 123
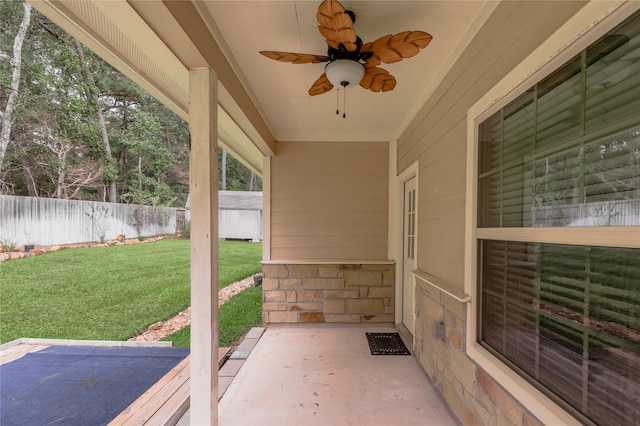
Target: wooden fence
50, 221
606, 213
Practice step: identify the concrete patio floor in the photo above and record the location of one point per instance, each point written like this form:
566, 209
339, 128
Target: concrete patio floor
326, 375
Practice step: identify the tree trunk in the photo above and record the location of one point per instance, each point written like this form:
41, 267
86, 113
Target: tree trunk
60, 187
113, 193
252, 181
6, 115
102, 196
140, 173
223, 171
27, 178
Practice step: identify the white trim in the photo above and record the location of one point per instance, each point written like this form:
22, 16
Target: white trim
266, 208
624, 236
408, 173
328, 262
130, 32
535, 401
585, 27
441, 285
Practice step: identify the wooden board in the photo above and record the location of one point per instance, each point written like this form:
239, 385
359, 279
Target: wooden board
18, 351
143, 408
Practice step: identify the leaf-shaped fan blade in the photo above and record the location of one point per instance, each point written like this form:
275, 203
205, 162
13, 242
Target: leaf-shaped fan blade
373, 60
378, 80
336, 25
394, 48
295, 58
320, 86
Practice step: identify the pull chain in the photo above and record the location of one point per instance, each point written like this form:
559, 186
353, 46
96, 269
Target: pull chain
344, 85
344, 104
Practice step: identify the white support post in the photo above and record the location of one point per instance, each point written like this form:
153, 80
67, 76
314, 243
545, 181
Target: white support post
203, 187
266, 208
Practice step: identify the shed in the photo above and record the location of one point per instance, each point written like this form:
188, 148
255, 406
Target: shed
239, 215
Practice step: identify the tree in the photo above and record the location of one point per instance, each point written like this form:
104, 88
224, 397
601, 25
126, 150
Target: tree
223, 170
90, 92
237, 177
16, 64
144, 141
79, 128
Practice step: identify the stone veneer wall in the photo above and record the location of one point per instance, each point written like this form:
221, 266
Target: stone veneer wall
314, 293
473, 396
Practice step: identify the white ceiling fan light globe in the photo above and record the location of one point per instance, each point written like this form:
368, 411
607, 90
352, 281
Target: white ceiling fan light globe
344, 72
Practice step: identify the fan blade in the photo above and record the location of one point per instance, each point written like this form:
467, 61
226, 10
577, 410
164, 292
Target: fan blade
394, 48
320, 86
378, 80
373, 60
295, 58
336, 25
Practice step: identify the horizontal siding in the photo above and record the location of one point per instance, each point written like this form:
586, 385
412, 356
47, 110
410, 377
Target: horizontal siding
437, 137
320, 230
316, 253
339, 218
329, 201
296, 192
335, 241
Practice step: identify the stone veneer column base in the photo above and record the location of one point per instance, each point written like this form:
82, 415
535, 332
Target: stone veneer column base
329, 292
474, 397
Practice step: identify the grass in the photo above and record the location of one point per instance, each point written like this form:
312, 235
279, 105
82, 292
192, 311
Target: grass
238, 260
236, 317
106, 293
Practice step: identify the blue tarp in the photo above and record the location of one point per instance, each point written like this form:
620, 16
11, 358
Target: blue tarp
84, 386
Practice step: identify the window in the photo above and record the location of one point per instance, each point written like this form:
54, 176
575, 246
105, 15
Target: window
565, 154
410, 211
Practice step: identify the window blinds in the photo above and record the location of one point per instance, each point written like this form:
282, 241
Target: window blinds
569, 317
548, 158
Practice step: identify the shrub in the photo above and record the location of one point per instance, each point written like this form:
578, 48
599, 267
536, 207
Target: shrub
7, 246
185, 230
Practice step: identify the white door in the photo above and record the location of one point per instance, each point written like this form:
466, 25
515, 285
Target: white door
409, 254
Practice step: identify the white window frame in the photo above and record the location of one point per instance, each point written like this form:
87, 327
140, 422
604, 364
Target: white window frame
584, 28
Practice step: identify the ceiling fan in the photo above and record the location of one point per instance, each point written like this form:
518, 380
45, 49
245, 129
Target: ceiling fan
350, 61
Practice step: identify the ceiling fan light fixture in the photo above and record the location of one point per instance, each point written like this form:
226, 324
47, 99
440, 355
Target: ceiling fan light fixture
344, 72
349, 60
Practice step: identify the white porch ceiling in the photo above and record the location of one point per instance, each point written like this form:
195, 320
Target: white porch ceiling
156, 42
243, 28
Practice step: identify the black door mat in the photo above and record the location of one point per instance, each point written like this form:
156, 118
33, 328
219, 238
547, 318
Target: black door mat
386, 344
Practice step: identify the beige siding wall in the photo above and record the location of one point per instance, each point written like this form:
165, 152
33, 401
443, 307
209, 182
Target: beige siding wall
437, 138
329, 201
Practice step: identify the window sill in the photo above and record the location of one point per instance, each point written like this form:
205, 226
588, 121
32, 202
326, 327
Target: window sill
439, 284
535, 401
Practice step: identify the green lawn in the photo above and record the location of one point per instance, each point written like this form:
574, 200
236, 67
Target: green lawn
106, 293
236, 317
